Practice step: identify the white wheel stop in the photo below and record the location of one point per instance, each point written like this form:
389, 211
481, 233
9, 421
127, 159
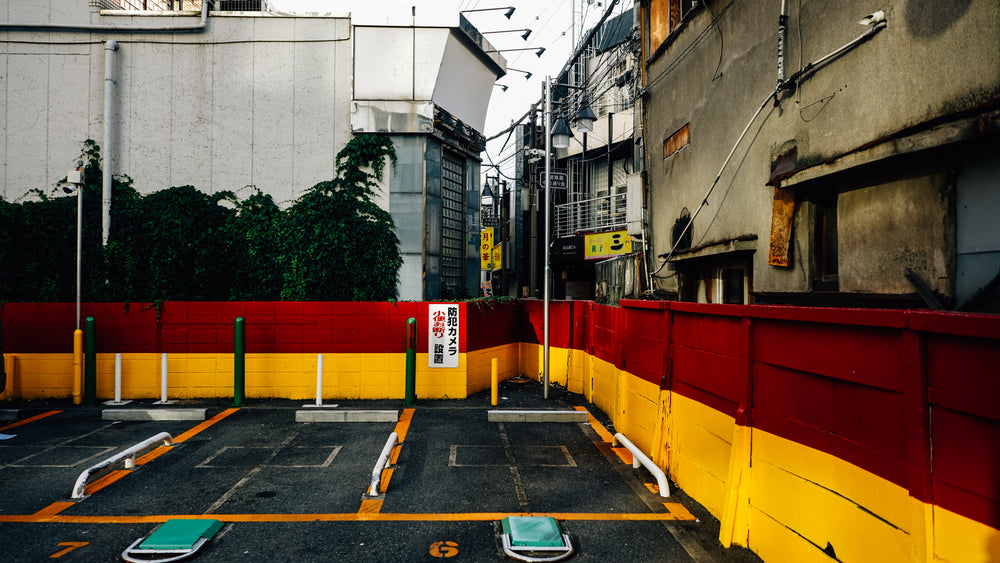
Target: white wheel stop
536, 539
174, 540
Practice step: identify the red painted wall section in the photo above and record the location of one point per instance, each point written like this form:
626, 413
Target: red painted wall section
964, 377
492, 325
208, 327
644, 342
561, 315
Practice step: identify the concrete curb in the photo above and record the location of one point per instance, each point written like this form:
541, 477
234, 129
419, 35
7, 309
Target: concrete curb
536, 416
344, 415
153, 414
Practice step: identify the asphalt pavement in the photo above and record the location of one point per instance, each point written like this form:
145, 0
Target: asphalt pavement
301, 491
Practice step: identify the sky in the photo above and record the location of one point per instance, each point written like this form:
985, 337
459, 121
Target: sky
551, 23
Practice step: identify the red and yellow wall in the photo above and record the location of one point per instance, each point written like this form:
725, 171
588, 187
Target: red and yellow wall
812, 434
363, 346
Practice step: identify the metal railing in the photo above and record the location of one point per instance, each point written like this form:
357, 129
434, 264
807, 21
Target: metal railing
181, 5
589, 215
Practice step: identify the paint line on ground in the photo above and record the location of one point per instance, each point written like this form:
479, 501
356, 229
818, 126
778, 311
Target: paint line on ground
194, 431
403, 425
28, 420
353, 517
53, 509
597, 426
104, 481
371, 506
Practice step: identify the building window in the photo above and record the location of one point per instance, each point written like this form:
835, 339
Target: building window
680, 139
664, 17
825, 242
452, 223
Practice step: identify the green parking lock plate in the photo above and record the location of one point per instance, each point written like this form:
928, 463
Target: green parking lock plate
180, 534
533, 531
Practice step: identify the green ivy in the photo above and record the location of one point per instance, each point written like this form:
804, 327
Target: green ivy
334, 243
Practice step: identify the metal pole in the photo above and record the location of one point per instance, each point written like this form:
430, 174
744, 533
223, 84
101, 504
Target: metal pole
90, 362
410, 382
548, 230
79, 248
239, 361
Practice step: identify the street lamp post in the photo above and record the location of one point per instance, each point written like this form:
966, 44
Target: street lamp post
557, 137
75, 181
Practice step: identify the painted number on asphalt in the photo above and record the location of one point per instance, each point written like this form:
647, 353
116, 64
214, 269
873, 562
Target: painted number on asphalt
69, 545
444, 549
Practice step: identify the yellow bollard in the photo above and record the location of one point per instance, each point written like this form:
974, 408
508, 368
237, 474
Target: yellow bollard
494, 382
77, 366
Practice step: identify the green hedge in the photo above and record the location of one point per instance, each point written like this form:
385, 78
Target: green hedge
333, 243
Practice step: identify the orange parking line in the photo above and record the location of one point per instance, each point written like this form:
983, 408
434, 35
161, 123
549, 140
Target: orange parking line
27, 420
151, 455
673, 514
403, 425
53, 509
190, 433
104, 481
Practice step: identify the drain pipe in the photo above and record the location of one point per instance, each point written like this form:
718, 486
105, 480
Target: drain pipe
782, 32
109, 88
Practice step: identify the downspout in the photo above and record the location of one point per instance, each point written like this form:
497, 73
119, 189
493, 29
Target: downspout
106, 176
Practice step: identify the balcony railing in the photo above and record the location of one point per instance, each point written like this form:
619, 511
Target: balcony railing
180, 5
590, 215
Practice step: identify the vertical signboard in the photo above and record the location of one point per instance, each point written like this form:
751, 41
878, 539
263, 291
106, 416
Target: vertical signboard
486, 248
442, 335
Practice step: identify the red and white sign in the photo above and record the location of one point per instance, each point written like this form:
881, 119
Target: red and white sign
443, 335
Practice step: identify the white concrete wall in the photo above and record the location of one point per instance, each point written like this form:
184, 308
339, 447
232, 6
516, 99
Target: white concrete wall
252, 101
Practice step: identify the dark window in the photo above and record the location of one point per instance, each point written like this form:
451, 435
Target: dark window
732, 286
452, 222
825, 243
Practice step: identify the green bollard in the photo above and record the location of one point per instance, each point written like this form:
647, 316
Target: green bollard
239, 361
89, 362
411, 363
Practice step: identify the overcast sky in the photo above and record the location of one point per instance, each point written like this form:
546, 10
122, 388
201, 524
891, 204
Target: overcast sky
549, 20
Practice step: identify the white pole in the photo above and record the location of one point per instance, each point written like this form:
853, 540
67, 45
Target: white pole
163, 378
118, 378
548, 229
319, 380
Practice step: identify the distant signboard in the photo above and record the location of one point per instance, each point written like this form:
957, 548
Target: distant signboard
486, 249
606, 245
558, 180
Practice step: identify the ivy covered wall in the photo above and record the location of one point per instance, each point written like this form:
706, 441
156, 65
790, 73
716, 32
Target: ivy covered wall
334, 243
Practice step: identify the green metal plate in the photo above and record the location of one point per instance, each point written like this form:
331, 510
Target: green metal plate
533, 531
180, 534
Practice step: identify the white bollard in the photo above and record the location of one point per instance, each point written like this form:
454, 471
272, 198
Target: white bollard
118, 383
118, 378
163, 381
319, 380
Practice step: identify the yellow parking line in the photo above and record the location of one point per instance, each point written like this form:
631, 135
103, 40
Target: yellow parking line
192, 432
27, 420
676, 512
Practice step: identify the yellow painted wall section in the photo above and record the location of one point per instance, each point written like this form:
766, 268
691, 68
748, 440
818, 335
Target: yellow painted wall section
698, 446
638, 411
287, 376
802, 494
957, 538
480, 366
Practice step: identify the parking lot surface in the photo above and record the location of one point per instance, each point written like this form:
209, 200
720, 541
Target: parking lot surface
300, 491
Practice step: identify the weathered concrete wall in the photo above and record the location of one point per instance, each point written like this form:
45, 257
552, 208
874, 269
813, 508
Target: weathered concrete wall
252, 101
932, 64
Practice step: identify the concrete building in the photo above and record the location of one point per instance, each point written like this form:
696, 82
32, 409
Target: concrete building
176, 94
870, 175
